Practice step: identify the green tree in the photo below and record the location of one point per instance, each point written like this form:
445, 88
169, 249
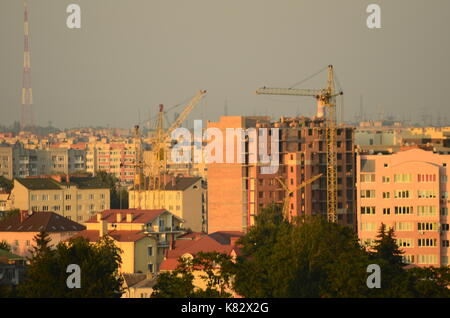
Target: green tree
99, 263
5, 246
215, 269
309, 257
118, 194
431, 282
395, 281
7, 214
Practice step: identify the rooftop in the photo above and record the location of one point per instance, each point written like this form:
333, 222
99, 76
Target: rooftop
40, 221
139, 216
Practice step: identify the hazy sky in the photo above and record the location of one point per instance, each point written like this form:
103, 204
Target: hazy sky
129, 56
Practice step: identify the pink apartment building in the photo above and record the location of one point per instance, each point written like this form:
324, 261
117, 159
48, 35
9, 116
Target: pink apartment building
408, 191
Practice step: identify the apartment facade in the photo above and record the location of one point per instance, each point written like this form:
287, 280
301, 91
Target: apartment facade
19, 230
184, 197
238, 191
17, 161
407, 191
76, 198
143, 235
116, 158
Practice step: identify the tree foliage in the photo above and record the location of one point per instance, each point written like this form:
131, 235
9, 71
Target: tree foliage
215, 271
99, 263
118, 194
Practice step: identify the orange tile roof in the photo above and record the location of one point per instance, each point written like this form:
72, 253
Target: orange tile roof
120, 236
139, 216
215, 242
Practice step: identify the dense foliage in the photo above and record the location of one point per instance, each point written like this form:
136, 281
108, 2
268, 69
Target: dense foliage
47, 277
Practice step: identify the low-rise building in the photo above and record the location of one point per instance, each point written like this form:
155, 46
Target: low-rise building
144, 236
19, 230
187, 246
77, 198
138, 285
183, 196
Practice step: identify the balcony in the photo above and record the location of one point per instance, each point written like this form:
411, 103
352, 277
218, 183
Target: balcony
157, 230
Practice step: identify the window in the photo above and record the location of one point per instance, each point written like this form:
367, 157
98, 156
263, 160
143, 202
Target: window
150, 267
408, 259
427, 242
426, 194
426, 210
79, 196
426, 178
367, 177
368, 226
367, 210
386, 195
33, 197
444, 227
161, 223
150, 251
57, 197
444, 211
45, 197
68, 197
386, 179
427, 259
56, 208
367, 194
401, 194
404, 226
102, 196
386, 210
91, 197
405, 242
68, 207
445, 243
403, 210
45, 208
402, 178
427, 226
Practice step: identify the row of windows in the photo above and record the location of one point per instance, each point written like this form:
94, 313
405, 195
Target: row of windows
57, 197
57, 208
402, 178
407, 226
401, 194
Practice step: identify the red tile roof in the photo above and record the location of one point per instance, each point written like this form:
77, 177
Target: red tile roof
215, 242
139, 216
40, 221
120, 236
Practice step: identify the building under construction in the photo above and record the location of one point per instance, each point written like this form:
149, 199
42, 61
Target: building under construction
238, 191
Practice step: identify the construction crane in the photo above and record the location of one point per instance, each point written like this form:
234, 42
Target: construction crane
289, 193
150, 175
326, 108
161, 140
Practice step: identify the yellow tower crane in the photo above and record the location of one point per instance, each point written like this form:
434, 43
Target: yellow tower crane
160, 142
289, 193
326, 107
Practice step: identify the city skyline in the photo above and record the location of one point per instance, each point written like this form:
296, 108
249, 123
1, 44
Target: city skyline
82, 77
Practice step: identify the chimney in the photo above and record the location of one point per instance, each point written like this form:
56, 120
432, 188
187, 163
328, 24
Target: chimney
23, 215
99, 217
129, 217
103, 228
118, 217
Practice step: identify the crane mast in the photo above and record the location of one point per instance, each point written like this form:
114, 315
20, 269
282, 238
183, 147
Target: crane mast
326, 108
